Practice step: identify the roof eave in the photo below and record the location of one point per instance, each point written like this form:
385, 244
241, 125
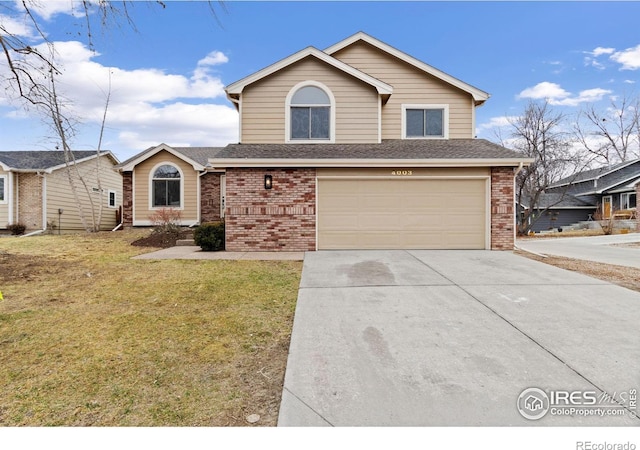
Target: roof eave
367, 162
129, 166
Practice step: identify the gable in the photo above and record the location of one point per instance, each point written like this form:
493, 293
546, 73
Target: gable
263, 103
361, 38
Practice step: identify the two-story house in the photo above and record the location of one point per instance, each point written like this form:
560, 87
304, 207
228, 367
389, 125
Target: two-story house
361, 146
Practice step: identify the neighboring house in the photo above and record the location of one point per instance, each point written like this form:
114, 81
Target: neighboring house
172, 177
35, 189
584, 196
358, 146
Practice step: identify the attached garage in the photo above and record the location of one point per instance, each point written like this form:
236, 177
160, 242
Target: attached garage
403, 209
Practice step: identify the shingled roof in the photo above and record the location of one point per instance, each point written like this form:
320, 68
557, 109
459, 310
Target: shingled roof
199, 155
41, 159
394, 149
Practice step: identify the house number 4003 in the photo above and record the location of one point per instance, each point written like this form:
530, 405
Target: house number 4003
402, 172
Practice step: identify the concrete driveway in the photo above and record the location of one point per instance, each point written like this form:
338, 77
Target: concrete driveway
604, 249
404, 338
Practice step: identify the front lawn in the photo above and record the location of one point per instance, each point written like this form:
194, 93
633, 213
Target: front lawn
89, 336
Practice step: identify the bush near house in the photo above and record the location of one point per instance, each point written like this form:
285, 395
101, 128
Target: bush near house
210, 236
17, 229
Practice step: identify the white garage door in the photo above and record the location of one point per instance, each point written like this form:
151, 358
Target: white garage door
402, 213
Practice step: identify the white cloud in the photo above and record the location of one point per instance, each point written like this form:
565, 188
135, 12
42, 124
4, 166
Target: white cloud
16, 27
602, 51
556, 95
213, 59
629, 58
49, 8
629, 81
147, 105
497, 122
544, 90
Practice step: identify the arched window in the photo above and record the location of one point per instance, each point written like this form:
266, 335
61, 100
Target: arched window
166, 187
310, 114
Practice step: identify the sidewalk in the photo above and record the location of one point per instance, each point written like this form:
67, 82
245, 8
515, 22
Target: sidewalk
194, 252
603, 249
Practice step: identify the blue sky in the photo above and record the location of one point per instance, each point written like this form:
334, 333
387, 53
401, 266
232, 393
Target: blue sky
168, 76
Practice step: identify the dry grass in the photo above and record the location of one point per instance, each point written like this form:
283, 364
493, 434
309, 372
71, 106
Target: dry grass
90, 337
628, 277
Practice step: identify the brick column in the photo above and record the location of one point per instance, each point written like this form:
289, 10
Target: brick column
502, 208
210, 197
127, 199
30, 200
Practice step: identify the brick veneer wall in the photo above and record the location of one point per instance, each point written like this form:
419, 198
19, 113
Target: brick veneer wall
127, 199
210, 197
502, 208
30, 200
278, 219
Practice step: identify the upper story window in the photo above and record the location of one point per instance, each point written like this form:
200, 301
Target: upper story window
425, 121
166, 186
310, 111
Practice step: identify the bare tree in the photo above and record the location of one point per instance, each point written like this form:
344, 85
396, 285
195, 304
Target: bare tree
32, 73
538, 133
613, 135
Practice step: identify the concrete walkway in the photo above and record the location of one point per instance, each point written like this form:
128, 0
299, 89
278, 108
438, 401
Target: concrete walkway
603, 249
441, 338
194, 252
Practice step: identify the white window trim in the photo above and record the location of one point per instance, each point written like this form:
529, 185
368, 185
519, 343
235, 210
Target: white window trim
445, 119
5, 179
115, 198
607, 199
332, 115
624, 199
153, 170
223, 194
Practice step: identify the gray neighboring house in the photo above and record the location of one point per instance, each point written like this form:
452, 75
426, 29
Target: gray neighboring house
35, 189
606, 190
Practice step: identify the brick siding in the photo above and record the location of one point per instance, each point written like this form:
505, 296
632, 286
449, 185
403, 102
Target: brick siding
278, 219
502, 208
30, 200
210, 197
127, 199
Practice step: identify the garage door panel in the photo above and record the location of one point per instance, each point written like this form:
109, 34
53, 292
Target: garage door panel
401, 213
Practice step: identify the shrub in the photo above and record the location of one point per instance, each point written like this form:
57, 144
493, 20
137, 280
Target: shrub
17, 228
166, 220
210, 236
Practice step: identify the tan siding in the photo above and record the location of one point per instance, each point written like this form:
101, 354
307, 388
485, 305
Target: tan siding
141, 180
4, 206
410, 85
60, 196
263, 104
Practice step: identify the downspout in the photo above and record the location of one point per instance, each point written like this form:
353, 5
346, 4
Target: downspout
200, 175
515, 227
9, 193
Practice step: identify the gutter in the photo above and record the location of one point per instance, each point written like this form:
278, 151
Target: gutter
364, 163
